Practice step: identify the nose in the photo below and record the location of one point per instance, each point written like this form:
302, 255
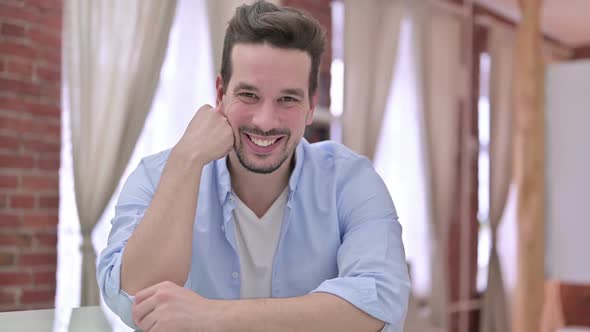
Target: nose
266, 118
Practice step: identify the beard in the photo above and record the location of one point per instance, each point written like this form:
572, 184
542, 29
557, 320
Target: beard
269, 168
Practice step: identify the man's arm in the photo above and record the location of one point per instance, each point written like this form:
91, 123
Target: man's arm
168, 307
163, 239
314, 312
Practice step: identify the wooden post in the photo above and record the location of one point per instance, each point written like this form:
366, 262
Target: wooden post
529, 169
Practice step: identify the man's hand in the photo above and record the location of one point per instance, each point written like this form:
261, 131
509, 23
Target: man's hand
169, 307
208, 136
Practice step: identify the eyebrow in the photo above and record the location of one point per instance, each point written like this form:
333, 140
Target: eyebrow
245, 86
250, 87
296, 92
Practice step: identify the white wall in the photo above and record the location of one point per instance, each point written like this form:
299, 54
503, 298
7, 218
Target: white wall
568, 171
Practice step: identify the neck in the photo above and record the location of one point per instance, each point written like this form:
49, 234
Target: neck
258, 191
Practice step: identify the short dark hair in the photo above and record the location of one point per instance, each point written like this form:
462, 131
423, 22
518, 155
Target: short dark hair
283, 27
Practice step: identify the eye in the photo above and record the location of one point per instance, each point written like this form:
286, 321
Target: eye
248, 95
288, 99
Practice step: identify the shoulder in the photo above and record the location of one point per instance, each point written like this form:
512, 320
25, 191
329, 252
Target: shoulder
336, 160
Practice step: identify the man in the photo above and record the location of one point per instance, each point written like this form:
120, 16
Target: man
245, 226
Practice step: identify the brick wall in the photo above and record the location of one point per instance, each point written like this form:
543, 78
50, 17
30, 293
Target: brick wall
30, 56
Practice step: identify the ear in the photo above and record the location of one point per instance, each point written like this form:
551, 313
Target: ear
218, 90
312, 103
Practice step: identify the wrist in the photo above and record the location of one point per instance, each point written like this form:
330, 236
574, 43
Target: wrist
226, 319
191, 159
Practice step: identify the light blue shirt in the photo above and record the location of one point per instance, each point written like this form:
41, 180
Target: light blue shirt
340, 235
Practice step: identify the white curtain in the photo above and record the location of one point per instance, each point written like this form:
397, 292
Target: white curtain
438, 46
400, 160
501, 49
113, 53
371, 33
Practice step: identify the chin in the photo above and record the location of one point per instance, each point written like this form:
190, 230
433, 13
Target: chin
254, 163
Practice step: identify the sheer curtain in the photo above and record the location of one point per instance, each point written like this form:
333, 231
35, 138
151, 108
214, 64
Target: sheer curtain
371, 34
501, 45
186, 82
113, 54
399, 159
437, 44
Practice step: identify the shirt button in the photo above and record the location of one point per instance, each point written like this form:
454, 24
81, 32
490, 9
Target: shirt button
223, 228
235, 275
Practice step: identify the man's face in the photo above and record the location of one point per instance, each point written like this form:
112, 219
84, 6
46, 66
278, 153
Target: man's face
267, 104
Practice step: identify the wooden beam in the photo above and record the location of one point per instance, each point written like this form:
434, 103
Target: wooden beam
529, 169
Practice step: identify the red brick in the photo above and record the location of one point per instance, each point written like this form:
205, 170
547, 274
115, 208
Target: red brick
35, 296
19, 50
3, 202
46, 163
46, 240
52, 22
42, 109
8, 296
22, 201
46, 202
15, 240
17, 13
8, 181
44, 278
22, 69
9, 143
16, 124
15, 279
44, 38
19, 86
47, 129
38, 145
9, 219
16, 161
46, 74
50, 56
39, 220
38, 259
13, 104
40, 182
12, 30
6, 258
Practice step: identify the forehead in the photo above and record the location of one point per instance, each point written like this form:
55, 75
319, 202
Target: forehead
268, 67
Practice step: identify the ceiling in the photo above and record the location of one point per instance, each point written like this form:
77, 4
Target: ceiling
567, 21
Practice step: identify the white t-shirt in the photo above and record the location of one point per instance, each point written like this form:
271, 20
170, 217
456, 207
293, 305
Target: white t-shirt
257, 240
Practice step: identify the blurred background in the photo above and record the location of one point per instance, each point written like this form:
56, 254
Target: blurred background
474, 112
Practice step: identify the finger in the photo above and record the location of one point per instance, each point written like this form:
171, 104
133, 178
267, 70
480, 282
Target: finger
147, 292
148, 324
142, 310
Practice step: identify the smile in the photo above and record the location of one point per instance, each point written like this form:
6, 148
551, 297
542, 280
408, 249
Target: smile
263, 144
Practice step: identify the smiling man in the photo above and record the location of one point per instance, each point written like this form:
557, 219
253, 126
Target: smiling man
245, 226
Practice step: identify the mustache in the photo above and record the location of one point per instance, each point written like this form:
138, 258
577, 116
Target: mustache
259, 132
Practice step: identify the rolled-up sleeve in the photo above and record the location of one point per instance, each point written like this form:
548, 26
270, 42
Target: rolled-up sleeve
134, 199
372, 270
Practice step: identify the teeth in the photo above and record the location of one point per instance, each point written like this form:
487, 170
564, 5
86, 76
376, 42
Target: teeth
261, 142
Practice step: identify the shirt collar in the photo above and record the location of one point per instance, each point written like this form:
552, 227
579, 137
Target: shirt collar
224, 179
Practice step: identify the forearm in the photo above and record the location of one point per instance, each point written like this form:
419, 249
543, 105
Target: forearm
160, 247
314, 312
